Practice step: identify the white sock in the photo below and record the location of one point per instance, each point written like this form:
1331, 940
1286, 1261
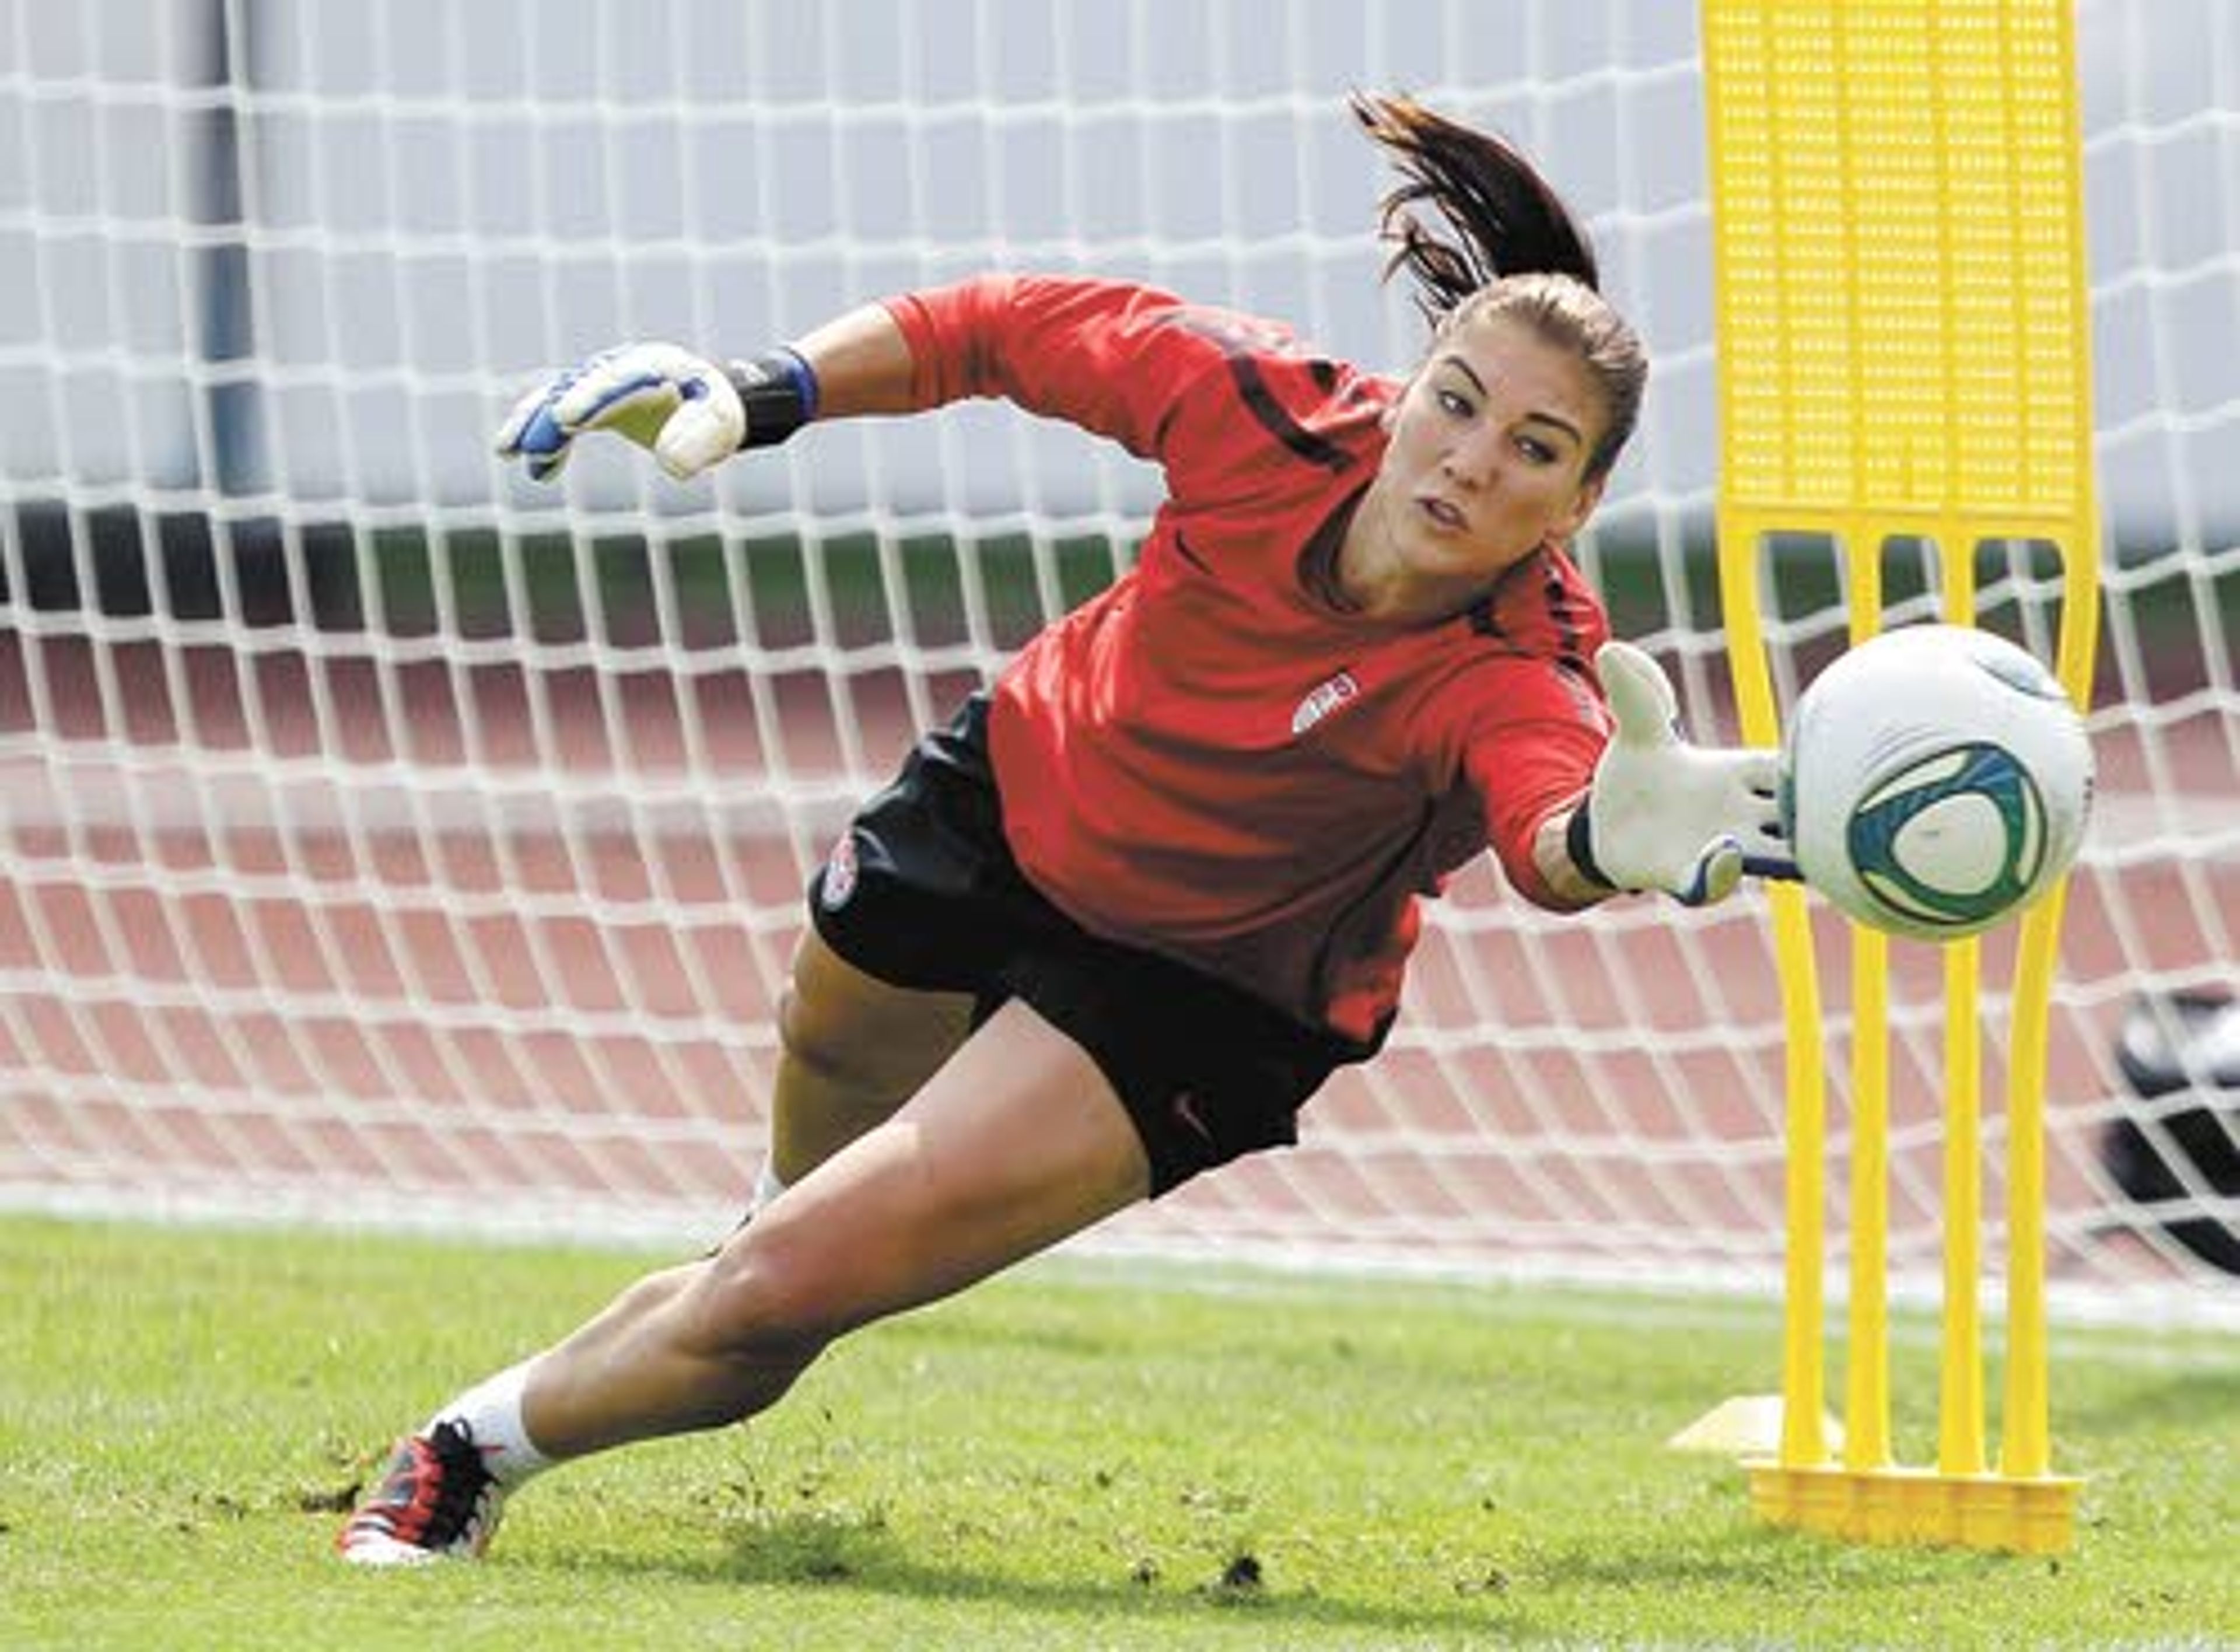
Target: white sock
492, 1410
767, 1186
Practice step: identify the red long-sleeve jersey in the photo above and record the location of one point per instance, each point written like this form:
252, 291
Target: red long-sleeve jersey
1211, 758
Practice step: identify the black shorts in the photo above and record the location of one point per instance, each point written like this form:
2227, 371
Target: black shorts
921, 892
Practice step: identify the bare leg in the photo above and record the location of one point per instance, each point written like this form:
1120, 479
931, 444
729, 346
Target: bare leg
1017, 1142
854, 1049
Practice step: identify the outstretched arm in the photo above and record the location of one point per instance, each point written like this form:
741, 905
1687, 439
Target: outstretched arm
862, 363
692, 412
1661, 812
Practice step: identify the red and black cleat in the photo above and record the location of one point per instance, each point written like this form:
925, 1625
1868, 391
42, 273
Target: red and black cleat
437, 1500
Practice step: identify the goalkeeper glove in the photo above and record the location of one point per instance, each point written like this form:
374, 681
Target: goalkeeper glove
687, 412
1663, 814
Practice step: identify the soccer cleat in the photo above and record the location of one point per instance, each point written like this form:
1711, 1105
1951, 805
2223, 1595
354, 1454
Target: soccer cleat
439, 1500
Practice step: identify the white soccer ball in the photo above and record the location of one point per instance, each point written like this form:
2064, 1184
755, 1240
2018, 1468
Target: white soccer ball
1934, 780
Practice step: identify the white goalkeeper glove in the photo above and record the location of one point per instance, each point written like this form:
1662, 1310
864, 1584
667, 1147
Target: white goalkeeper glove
686, 410
1663, 814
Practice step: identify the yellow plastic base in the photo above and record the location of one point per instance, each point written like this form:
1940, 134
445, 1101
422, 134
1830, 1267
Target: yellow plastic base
1920, 1506
1746, 1427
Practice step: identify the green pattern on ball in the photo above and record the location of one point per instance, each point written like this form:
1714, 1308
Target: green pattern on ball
1986, 772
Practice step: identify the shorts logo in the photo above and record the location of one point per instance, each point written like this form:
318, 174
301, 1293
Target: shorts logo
839, 874
1325, 699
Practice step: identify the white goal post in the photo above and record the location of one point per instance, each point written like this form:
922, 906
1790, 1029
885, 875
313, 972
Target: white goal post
384, 839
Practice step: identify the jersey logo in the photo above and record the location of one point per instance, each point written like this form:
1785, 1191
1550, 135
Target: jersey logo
839, 873
1324, 699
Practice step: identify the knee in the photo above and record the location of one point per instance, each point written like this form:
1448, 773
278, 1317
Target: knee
767, 1299
800, 1033
856, 1036
818, 1039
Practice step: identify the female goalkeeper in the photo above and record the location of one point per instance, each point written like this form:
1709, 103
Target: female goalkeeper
1116, 923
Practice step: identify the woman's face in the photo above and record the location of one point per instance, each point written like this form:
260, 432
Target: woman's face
1489, 453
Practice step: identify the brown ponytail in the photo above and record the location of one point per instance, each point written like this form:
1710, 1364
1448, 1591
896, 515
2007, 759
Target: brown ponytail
1511, 221
1513, 249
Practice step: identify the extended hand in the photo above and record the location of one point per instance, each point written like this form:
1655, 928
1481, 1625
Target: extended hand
680, 407
1663, 814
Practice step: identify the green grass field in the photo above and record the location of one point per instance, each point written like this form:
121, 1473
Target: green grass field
1077, 1456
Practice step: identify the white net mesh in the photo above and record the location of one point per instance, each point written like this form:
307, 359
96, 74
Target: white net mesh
384, 838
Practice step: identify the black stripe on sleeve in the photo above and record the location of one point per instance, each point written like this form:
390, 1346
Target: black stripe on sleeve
1260, 401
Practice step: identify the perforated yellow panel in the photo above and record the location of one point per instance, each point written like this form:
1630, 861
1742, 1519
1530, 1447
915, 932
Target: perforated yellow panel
1898, 239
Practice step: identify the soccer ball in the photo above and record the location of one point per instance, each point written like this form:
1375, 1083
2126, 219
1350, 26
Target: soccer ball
1934, 780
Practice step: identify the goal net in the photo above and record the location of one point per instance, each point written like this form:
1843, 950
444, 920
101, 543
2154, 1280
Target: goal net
385, 839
